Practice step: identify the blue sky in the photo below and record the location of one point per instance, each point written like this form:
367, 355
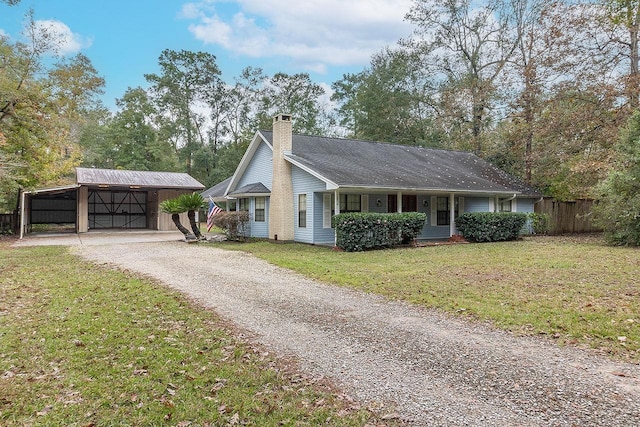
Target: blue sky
123, 39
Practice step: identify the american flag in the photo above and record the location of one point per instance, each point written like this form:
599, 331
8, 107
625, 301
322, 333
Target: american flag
213, 209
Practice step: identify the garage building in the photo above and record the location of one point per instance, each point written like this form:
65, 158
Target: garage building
107, 199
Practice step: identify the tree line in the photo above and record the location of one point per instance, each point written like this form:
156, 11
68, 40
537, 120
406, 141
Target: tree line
540, 88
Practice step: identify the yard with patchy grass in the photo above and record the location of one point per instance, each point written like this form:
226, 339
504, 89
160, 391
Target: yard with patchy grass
82, 344
86, 345
574, 290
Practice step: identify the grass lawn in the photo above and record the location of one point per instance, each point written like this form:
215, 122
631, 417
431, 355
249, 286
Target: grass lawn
576, 290
85, 345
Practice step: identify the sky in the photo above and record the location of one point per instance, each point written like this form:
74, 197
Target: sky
124, 39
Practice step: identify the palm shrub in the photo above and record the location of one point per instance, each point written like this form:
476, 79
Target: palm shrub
190, 203
173, 207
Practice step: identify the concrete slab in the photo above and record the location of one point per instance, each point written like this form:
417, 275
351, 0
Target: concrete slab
97, 237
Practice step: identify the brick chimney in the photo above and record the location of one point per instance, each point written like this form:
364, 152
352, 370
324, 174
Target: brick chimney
281, 214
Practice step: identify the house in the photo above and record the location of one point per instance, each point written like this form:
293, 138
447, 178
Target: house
107, 199
293, 184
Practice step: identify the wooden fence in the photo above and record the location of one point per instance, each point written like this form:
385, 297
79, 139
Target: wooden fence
568, 217
8, 223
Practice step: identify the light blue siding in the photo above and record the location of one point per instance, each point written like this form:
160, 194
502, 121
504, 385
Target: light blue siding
305, 183
260, 228
373, 203
476, 204
259, 169
525, 205
434, 231
321, 235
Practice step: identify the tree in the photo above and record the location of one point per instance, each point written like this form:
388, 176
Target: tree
617, 42
174, 208
618, 207
468, 46
191, 203
134, 137
180, 91
295, 94
42, 112
242, 101
391, 101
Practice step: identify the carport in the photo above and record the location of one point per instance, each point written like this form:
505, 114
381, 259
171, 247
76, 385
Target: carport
107, 199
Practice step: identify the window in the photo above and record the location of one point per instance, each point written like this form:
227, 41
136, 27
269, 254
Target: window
259, 215
505, 206
443, 213
302, 210
243, 204
350, 203
442, 210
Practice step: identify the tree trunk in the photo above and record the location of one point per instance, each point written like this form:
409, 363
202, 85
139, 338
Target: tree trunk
194, 225
634, 76
176, 221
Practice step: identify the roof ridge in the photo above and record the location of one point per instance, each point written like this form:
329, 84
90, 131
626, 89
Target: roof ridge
370, 141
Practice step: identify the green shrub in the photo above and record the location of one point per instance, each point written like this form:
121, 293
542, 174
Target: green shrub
361, 231
490, 226
618, 209
540, 223
233, 224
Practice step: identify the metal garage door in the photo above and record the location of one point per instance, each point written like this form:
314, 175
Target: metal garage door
117, 209
58, 208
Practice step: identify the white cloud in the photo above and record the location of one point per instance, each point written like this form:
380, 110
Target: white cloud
60, 37
313, 34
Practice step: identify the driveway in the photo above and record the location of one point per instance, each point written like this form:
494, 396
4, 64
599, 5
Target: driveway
98, 237
412, 364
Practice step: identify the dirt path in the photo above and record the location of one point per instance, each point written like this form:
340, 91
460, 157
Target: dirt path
434, 370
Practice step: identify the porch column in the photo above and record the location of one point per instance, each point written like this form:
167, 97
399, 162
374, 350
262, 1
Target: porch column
336, 209
399, 198
452, 215
22, 212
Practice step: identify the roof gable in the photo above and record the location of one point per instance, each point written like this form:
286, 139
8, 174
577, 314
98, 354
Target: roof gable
128, 178
248, 156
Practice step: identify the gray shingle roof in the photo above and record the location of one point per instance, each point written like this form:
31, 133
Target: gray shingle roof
253, 188
217, 191
127, 178
355, 163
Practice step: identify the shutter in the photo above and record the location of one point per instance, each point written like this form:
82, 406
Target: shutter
326, 210
434, 210
460, 205
364, 203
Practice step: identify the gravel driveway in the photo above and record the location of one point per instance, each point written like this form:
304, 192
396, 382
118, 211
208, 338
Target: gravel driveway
433, 369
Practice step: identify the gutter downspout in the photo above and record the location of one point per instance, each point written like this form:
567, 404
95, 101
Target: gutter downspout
499, 201
510, 198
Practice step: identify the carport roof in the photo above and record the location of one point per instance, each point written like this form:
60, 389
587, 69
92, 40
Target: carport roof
142, 179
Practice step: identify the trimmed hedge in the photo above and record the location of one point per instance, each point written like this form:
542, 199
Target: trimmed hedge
491, 226
361, 231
